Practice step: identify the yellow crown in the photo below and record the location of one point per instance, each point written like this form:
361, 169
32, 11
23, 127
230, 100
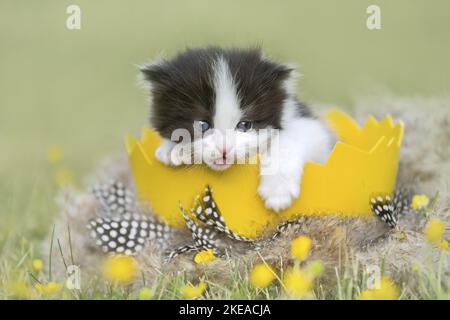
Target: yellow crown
362, 164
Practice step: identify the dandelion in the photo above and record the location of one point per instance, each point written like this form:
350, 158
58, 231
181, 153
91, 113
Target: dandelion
48, 289
443, 245
262, 275
190, 291
120, 269
63, 177
297, 283
388, 290
420, 201
204, 256
300, 247
37, 265
434, 231
145, 294
54, 154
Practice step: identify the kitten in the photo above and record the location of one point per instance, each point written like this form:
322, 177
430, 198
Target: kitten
218, 91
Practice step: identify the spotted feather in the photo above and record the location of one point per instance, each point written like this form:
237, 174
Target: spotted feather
281, 228
121, 228
384, 209
114, 198
203, 236
127, 234
180, 250
401, 200
207, 211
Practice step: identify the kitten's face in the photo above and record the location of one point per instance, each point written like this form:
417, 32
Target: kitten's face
228, 95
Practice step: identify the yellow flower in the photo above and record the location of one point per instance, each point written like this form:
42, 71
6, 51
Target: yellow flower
420, 201
19, 290
145, 294
297, 282
415, 268
190, 291
366, 295
315, 268
120, 269
37, 265
49, 289
262, 275
300, 247
434, 231
443, 245
63, 177
54, 154
387, 291
204, 256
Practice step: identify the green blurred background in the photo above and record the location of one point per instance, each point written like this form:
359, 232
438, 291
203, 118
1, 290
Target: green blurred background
77, 89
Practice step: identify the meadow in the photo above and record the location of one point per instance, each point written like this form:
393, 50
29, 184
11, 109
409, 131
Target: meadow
68, 97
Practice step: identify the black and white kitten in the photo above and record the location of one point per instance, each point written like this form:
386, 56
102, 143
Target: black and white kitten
239, 91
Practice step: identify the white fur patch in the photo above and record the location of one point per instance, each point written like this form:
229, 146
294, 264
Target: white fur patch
228, 112
301, 140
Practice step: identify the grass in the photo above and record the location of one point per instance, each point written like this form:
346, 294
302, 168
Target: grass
348, 283
77, 90
345, 281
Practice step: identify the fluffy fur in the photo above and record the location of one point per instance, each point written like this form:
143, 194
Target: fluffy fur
221, 88
425, 159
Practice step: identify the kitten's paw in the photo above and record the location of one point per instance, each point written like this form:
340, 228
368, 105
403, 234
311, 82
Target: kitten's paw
164, 154
278, 191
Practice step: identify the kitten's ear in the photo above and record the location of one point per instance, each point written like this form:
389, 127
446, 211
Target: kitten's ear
155, 74
286, 73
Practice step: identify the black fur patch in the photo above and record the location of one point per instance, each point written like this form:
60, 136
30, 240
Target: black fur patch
182, 89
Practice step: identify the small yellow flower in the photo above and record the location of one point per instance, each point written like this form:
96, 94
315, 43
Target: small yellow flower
315, 268
262, 275
63, 177
19, 290
37, 265
145, 294
190, 291
420, 201
120, 269
434, 231
388, 291
443, 245
49, 289
300, 247
366, 295
415, 268
204, 256
297, 283
54, 154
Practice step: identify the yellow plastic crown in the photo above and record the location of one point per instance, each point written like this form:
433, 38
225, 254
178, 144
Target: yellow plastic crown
362, 164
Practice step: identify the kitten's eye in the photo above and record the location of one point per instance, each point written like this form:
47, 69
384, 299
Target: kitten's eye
204, 125
244, 126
